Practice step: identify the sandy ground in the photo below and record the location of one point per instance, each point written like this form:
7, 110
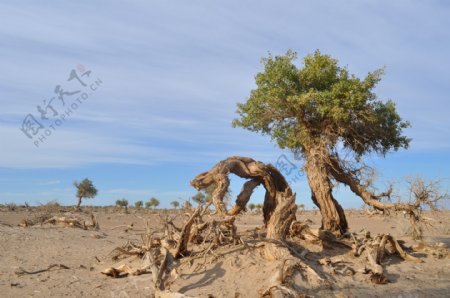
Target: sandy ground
238, 273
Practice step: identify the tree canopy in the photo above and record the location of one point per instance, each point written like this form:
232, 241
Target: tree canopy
85, 189
175, 204
122, 202
153, 202
200, 198
321, 103
320, 110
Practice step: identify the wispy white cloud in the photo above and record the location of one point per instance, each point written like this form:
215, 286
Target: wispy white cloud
173, 72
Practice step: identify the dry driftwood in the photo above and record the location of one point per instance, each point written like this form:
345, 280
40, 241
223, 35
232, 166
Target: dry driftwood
70, 221
186, 234
376, 249
438, 250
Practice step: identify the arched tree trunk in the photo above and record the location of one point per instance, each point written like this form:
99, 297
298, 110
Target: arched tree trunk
333, 216
279, 202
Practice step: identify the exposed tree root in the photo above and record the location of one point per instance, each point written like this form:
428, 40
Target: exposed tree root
284, 281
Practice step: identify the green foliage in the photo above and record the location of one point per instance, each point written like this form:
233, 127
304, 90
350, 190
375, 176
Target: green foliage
175, 204
153, 202
258, 206
321, 104
138, 204
205, 195
200, 198
122, 203
251, 206
85, 189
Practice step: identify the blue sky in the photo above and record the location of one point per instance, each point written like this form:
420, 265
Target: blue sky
172, 73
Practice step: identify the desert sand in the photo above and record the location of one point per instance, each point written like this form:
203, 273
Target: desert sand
79, 256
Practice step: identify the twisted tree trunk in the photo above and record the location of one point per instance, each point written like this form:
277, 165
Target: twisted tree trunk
333, 216
279, 202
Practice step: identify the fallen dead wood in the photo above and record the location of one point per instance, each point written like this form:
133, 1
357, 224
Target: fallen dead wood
438, 250
22, 271
376, 248
185, 234
70, 221
117, 272
130, 227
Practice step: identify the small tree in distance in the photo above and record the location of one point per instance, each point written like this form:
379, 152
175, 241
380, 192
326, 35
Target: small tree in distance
138, 204
122, 203
200, 198
153, 202
85, 189
175, 204
251, 206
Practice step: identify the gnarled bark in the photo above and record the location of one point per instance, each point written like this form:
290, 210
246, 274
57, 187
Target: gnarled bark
333, 216
279, 202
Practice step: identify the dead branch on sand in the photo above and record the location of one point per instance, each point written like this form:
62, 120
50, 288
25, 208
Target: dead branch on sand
376, 248
22, 271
